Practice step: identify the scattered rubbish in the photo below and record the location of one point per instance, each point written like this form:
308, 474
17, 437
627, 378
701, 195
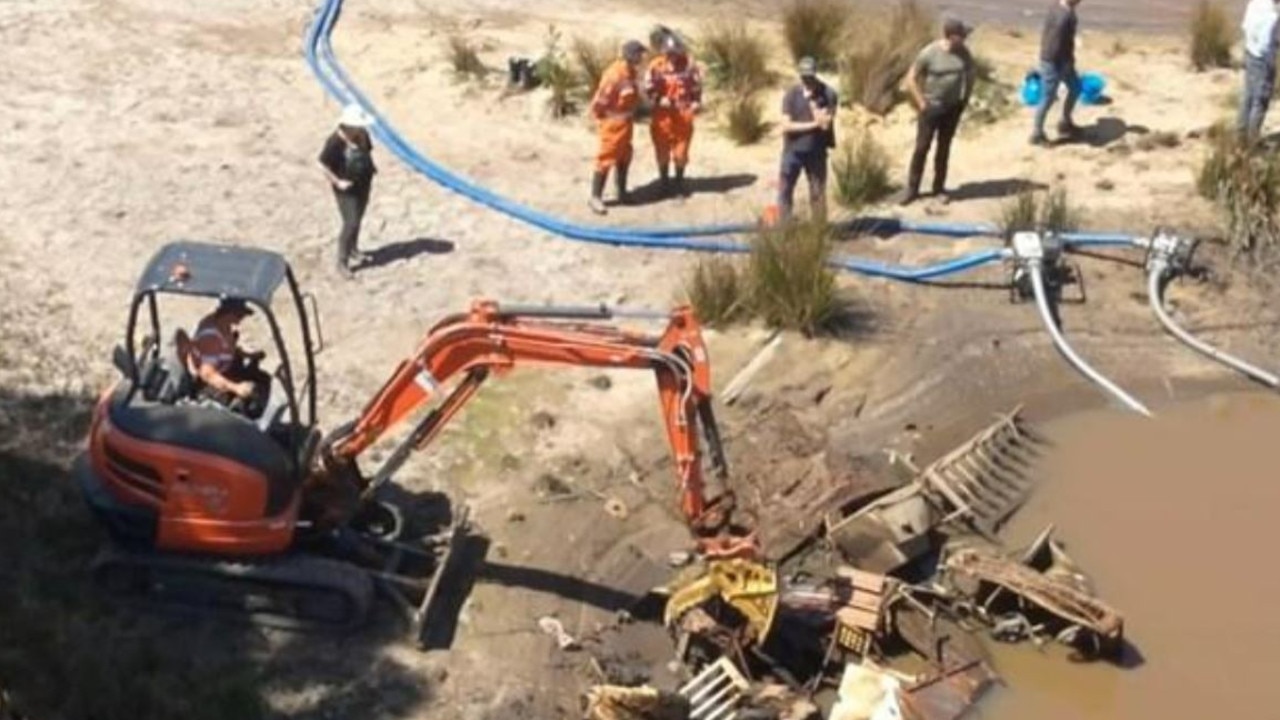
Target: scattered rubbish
679, 558
555, 629
515, 516
601, 382
611, 702
716, 692
867, 692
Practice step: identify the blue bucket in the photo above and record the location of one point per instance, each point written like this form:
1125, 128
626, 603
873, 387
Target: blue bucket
1031, 89
1092, 88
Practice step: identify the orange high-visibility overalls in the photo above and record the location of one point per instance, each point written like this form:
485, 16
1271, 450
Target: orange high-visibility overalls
675, 84
613, 107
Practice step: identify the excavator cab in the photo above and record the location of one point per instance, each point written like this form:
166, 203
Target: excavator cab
173, 469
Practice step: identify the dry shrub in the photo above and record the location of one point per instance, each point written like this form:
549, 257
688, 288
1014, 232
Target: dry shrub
885, 45
718, 291
792, 286
744, 120
1212, 36
861, 169
1243, 180
1027, 212
736, 59
992, 100
554, 73
592, 59
816, 29
465, 59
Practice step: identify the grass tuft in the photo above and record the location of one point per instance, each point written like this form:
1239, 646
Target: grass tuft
816, 29
792, 287
1243, 181
554, 73
744, 120
1026, 212
465, 59
1212, 36
592, 58
718, 291
736, 59
861, 169
884, 48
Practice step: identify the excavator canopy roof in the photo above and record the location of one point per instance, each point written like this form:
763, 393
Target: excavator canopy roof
222, 271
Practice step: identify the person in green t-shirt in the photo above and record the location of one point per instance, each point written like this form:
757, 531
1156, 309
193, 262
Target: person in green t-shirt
940, 83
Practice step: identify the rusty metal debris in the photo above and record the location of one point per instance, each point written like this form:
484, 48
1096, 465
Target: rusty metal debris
881, 573
1037, 596
984, 480
611, 702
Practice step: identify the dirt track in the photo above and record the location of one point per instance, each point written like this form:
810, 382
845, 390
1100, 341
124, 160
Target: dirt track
133, 122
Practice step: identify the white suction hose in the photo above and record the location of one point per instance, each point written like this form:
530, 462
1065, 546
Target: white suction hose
1154, 277
1036, 271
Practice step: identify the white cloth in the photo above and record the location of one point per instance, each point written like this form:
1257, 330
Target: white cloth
1260, 29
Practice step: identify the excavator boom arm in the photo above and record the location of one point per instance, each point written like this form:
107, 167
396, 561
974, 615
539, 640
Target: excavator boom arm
490, 339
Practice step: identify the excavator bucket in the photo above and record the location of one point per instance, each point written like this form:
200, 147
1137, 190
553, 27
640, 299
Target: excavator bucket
984, 480
446, 575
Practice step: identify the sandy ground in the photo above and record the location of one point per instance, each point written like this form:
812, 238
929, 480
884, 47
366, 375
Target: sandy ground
134, 122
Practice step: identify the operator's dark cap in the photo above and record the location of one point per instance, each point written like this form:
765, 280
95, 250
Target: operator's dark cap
632, 48
807, 67
235, 305
955, 27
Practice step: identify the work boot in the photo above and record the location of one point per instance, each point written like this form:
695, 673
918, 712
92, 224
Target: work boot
681, 188
620, 183
1039, 139
908, 196
664, 179
596, 203
1069, 129
344, 270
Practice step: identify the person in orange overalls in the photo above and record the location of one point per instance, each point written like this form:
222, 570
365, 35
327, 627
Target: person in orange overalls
613, 106
674, 85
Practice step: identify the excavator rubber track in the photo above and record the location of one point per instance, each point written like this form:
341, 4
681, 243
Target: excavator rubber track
293, 592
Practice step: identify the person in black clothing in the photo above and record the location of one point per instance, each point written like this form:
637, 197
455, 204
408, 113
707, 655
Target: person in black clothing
808, 110
1058, 66
347, 162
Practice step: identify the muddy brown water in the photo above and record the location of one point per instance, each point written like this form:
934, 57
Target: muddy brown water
1138, 15
1175, 519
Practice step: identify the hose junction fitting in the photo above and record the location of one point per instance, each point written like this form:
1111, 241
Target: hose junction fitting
1041, 271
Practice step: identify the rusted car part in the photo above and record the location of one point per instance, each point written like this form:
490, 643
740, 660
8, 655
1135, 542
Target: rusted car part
1038, 596
984, 480
976, 486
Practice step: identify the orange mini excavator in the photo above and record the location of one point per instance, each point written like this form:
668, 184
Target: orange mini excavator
265, 517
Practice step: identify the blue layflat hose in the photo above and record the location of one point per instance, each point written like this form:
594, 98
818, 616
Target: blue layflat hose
330, 73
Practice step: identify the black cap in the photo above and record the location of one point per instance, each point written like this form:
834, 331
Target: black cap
234, 305
952, 27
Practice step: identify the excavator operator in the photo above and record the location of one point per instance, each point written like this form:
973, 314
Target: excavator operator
227, 373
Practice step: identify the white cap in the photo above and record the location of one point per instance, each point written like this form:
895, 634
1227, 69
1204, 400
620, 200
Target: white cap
355, 116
